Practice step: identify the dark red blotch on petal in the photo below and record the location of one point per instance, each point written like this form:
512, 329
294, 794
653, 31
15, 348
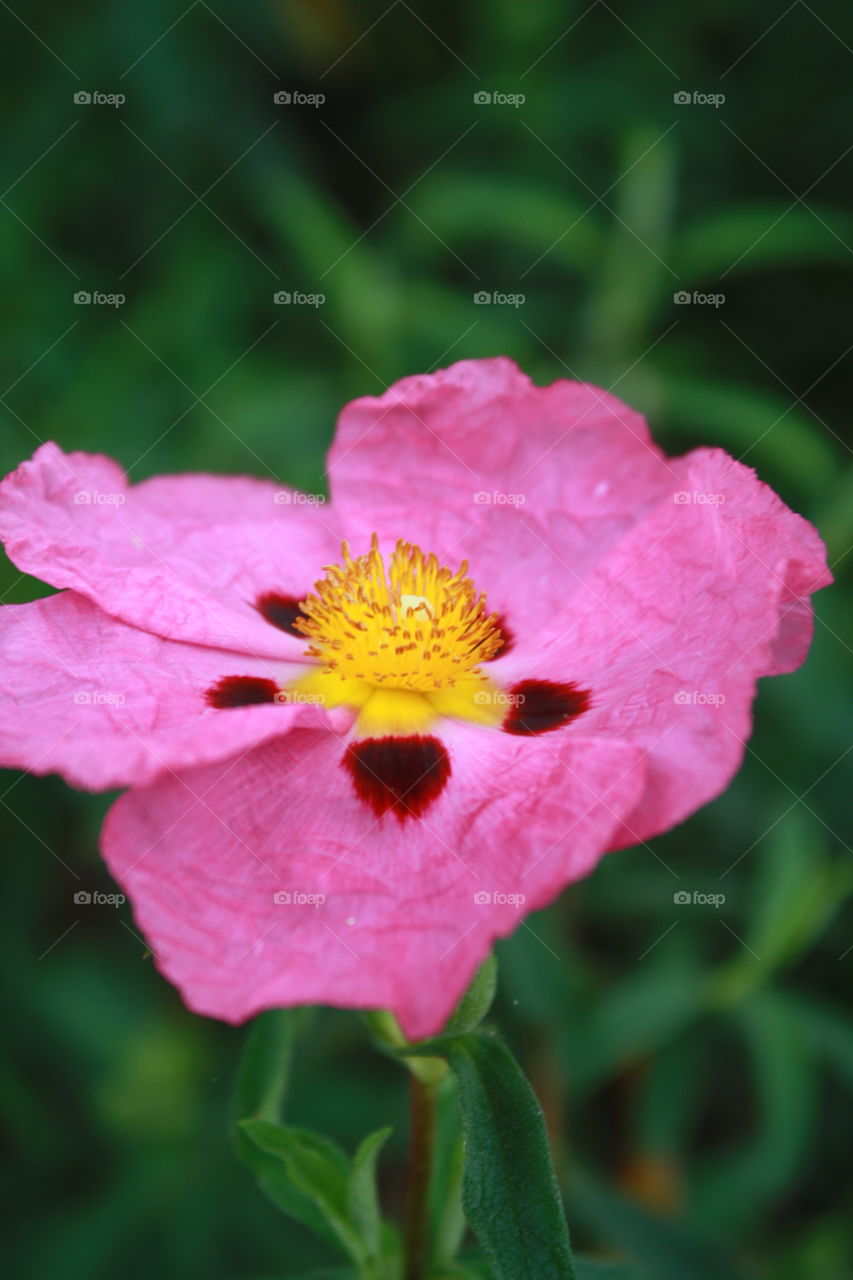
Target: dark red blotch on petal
241, 691
281, 610
542, 705
398, 775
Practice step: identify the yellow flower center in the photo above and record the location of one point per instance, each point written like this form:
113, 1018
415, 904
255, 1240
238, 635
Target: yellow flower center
401, 643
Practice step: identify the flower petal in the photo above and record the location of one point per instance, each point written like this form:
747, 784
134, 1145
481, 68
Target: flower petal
187, 557
367, 918
476, 462
107, 705
676, 624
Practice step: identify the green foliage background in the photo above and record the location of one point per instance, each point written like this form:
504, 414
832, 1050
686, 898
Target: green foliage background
695, 1063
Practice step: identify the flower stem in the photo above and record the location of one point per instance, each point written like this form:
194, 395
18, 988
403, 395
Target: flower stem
421, 1145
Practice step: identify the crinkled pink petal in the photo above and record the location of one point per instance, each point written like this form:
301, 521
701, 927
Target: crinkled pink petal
181, 556
475, 461
203, 856
107, 705
675, 625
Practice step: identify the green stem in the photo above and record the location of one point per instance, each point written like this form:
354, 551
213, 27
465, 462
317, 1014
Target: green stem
421, 1145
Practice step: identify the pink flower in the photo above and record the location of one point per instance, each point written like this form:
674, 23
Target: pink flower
345, 788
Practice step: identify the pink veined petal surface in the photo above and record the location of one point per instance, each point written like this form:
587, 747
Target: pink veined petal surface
675, 625
180, 556
566, 466
203, 855
107, 705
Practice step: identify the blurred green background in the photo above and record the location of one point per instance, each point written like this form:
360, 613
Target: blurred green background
695, 1063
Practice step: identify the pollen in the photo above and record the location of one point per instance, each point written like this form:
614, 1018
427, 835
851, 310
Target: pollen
400, 641
410, 624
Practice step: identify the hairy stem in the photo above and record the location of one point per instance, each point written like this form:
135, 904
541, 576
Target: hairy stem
421, 1144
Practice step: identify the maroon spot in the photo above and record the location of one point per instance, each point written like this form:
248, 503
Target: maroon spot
400, 775
282, 611
507, 638
241, 691
542, 705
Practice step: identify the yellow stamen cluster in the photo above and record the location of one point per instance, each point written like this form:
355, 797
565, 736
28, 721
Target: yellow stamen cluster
416, 627
400, 645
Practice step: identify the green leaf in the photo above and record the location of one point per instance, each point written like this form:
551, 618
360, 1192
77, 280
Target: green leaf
306, 1176
760, 427
447, 1213
755, 237
362, 1198
734, 1187
258, 1096
633, 271
477, 1000
666, 1250
509, 1191
671, 1092
335, 1273
469, 1270
796, 892
828, 1031
265, 1066
520, 218
592, 1269
635, 1017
